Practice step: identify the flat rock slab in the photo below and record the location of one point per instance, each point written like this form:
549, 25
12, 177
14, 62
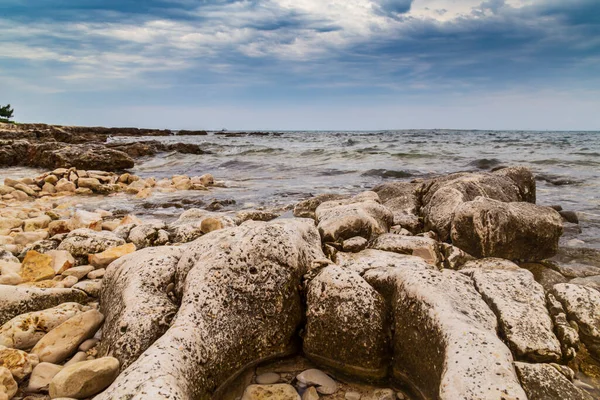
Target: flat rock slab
514, 231
544, 382
445, 339
519, 302
82, 242
426, 248
346, 327
16, 300
582, 305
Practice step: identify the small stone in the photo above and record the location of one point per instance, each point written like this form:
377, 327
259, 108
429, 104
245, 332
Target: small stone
207, 180
69, 281
10, 279
268, 378
90, 183
78, 272
311, 394
210, 224
37, 267
25, 189
85, 379
78, 357
19, 363
383, 394
58, 227
58, 344
62, 260
88, 344
64, 185
318, 378
110, 255
84, 191
352, 396
355, 244
42, 375
8, 386
10, 223
130, 219
86, 219
91, 287
97, 274
33, 224
51, 179
271, 392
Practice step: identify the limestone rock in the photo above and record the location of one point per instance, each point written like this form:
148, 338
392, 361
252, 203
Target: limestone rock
42, 375
520, 305
315, 377
441, 196
249, 273
346, 324
281, 391
61, 260
402, 198
78, 272
306, 208
16, 300
544, 382
58, 227
19, 363
90, 183
454, 258
582, 305
86, 219
84, 379
8, 386
490, 228
145, 235
423, 247
136, 302
107, 256
24, 331
188, 226
565, 332
33, 224
37, 267
445, 338
82, 242
544, 275
310, 394
361, 215
355, 244
268, 378
62, 341
371, 259
92, 287
590, 281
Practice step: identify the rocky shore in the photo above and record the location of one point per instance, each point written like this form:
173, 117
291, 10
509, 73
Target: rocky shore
455, 287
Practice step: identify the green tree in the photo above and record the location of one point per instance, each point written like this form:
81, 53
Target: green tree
6, 112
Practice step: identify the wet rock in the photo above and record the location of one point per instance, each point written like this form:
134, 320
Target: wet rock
544, 275
82, 242
314, 377
441, 196
544, 382
220, 274
16, 300
355, 244
402, 198
8, 386
569, 216
85, 379
574, 270
42, 375
24, 331
136, 302
107, 256
490, 228
86, 219
445, 335
425, 248
271, 392
62, 341
361, 215
19, 363
520, 305
582, 306
306, 208
255, 215
346, 324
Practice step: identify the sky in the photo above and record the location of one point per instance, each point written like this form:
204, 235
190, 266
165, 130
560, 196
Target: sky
303, 64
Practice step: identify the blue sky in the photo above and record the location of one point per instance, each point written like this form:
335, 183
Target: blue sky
303, 64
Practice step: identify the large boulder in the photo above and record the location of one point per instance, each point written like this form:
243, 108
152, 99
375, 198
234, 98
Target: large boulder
403, 200
426, 248
519, 302
362, 215
135, 301
515, 231
239, 304
346, 324
441, 196
16, 300
445, 339
82, 242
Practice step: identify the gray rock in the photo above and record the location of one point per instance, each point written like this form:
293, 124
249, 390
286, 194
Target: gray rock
590, 281
582, 305
239, 304
423, 247
82, 242
16, 300
346, 326
315, 377
268, 378
135, 302
544, 382
361, 215
445, 338
515, 231
520, 305
84, 379
544, 275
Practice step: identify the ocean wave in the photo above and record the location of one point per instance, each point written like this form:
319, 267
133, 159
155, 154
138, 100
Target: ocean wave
414, 155
484, 163
268, 150
386, 173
